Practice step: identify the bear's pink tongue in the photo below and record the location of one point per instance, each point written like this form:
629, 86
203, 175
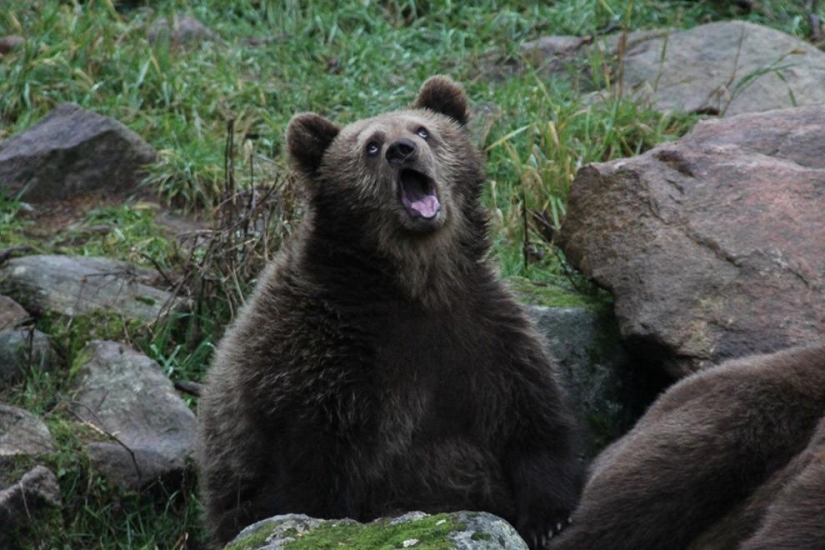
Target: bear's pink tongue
427, 207
417, 194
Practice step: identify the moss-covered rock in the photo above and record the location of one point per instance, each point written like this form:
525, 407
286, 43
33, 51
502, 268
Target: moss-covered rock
454, 531
607, 388
553, 295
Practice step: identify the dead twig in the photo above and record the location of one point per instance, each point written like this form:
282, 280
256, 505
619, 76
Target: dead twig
189, 387
167, 279
104, 433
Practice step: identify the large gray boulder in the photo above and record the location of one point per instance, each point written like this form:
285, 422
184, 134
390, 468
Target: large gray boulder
74, 286
72, 152
607, 389
456, 531
127, 397
713, 246
725, 68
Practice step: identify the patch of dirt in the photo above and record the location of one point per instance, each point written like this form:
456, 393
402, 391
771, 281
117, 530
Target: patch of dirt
67, 220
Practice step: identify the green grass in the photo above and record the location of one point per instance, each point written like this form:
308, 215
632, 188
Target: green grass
346, 60
12, 223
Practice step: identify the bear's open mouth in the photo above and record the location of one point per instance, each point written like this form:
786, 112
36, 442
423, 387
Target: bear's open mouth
418, 194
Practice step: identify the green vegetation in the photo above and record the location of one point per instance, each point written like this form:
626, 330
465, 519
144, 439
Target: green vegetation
430, 533
227, 102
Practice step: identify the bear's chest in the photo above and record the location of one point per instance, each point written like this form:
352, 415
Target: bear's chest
430, 369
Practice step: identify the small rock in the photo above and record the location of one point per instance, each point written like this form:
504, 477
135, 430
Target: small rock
22, 433
72, 152
23, 504
483, 531
607, 390
10, 43
12, 314
180, 30
24, 349
125, 394
280, 531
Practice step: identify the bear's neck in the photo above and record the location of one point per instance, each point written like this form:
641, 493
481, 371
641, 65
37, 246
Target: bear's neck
436, 272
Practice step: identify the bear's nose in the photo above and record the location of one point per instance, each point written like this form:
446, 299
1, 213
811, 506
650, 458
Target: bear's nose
400, 151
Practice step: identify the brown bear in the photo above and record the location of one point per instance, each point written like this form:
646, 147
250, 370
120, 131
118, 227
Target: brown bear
380, 366
728, 458
795, 517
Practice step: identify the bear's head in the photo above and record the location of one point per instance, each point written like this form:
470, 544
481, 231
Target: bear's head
401, 175
403, 186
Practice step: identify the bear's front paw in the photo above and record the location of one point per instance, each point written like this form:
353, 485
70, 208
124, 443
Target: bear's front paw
538, 531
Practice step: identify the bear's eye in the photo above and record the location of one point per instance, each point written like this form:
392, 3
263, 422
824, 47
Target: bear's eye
373, 148
422, 133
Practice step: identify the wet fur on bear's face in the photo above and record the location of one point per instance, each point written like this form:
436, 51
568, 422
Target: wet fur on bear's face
404, 183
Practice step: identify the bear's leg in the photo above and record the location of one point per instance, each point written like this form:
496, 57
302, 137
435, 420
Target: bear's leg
546, 486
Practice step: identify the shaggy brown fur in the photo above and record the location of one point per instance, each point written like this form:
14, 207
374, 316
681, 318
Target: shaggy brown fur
795, 519
721, 453
379, 366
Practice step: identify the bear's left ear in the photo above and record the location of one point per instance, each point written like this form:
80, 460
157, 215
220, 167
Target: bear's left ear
442, 95
308, 136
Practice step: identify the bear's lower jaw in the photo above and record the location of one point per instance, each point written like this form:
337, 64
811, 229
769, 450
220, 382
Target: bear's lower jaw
418, 195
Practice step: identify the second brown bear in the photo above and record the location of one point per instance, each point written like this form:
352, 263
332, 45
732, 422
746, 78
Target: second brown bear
729, 458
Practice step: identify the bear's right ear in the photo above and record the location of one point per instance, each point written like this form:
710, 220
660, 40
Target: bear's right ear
308, 136
442, 95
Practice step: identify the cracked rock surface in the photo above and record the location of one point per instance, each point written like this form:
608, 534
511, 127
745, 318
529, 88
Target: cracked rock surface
126, 395
714, 245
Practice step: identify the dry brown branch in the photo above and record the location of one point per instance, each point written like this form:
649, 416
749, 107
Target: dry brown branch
188, 386
250, 222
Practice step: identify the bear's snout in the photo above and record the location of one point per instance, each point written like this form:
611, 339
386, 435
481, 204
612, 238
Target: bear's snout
401, 151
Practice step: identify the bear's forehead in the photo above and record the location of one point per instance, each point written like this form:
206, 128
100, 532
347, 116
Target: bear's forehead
388, 124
